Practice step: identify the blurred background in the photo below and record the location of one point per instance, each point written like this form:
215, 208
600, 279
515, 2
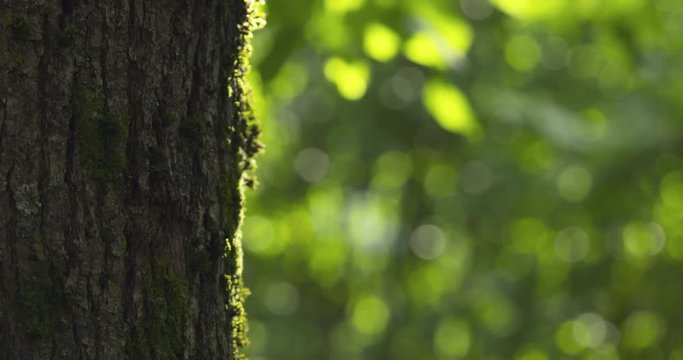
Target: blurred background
467, 179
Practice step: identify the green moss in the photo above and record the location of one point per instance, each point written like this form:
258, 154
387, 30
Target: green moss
167, 315
39, 306
231, 199
244, 147
101, 135
238, 315
162, 334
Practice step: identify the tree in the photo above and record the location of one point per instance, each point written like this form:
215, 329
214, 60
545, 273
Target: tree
124, 133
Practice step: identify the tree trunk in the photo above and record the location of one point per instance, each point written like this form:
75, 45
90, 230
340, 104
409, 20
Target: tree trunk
123, 139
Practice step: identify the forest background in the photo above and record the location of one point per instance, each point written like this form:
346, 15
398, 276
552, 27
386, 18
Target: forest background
467, 180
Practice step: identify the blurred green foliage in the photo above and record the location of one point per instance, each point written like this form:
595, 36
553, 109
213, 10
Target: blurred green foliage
464, 179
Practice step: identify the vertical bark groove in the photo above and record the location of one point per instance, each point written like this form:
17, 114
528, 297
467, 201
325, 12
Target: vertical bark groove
120, 175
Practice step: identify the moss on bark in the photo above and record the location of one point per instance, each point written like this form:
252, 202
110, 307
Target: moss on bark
101, 134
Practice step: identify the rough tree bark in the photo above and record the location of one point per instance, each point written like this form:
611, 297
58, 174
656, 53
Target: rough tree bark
123, 138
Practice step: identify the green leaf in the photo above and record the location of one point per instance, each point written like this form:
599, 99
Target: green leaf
450, 108
351, 78
380, 42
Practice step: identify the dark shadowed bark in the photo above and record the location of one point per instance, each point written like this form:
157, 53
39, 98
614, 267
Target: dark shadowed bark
122, 144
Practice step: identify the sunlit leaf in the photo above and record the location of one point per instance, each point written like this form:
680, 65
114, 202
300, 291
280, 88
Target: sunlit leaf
455, 33
351, 78
450, 108
531, 9
380, 42
424, 49
442, 40
343, 6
